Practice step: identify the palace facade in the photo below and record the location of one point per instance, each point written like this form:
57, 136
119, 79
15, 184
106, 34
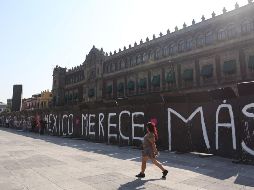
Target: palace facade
214, 53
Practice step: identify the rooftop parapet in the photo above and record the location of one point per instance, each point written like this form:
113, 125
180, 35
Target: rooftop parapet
176, 32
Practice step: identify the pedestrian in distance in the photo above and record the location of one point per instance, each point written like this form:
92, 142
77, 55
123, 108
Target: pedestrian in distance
42, 126
150, 151
7, 122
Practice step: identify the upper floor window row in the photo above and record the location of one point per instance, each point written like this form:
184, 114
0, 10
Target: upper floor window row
232, 30
74, 79
202, 39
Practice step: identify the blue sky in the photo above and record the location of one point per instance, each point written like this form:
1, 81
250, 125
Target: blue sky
37, 35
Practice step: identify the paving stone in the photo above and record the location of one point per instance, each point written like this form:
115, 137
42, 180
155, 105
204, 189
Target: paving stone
20, 153
45, 187
198, 182
30, 161
11, 165
11, 186
223, 186
83, 159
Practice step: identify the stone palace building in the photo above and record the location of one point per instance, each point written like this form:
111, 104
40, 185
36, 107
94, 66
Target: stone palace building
214, 53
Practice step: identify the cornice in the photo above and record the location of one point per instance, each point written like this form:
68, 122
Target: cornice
241, 11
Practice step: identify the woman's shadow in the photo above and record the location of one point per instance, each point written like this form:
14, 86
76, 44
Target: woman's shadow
136, 184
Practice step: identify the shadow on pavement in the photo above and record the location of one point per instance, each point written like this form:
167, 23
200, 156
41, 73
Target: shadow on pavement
136, 184
213, 167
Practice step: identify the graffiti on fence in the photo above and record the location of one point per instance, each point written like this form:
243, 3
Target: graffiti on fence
63, 124
222, 127
229, 125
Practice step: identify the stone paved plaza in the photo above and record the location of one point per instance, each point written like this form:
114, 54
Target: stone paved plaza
30, 161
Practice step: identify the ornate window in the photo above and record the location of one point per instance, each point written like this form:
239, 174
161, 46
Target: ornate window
145, 57
188, 75
70, 96
170, 77
165, 51
207, 71
247, 26
92, 74
117, 66
156, 81
158, 53
131, 85
91, 93
133, 61
122, 64
75, 95
189, 44
112, 67
108, 68
139, 60
222, 35
128, 62
251, 63
66, 98
142, 83
120, 87
109, 89
229, 67
151, 55
231, 31
181, 46
209, 38
201, 40
173, 49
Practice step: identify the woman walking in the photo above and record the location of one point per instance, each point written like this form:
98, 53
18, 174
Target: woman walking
150, 151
